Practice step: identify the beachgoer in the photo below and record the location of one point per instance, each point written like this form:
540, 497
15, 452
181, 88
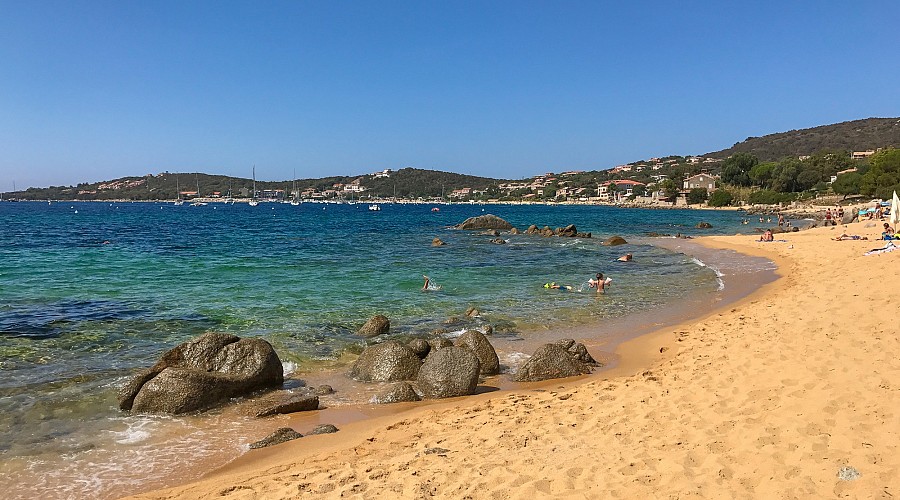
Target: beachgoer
888, 233
554, 286
767, 236
780, 220
625, 258
840, 215
846, 236
429, 285
828, 219
599, 283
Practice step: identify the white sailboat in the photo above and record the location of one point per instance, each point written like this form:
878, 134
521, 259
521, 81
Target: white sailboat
178, 200
294, 195
253, 201
197, 202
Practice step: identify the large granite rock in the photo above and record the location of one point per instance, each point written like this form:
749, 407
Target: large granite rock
203, 373
377, 325
281, 435
550, 361
396, 393
448, 372
386, 362
578, 351
489, 221
483, 350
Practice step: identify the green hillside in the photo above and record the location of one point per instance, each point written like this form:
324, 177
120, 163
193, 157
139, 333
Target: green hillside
856, 135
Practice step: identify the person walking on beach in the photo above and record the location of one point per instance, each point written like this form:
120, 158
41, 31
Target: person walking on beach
828, 219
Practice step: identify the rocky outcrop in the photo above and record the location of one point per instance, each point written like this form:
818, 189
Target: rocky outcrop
483, 350
283, 402
614, 241
704, 225
498, 241
548, 362
203, 373
377, 325
281, 435
489, 221
387, 362
449, 372
396, 393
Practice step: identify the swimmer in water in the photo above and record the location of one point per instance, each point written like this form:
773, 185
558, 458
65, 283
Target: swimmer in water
599, 283
428, 286
625, 258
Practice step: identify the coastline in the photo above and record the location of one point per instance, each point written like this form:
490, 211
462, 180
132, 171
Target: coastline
705, 411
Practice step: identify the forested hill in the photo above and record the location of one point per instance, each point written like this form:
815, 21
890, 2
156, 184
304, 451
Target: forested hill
856, 135
403, 183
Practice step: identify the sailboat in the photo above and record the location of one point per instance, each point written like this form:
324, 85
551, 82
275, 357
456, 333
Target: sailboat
253, 201
229, 199
294, 195
178, 200
197, 202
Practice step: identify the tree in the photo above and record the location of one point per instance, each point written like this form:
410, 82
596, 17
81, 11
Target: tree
720, 198
669, 188
696, 195
761, 174
736, 169
639, 190
847, 184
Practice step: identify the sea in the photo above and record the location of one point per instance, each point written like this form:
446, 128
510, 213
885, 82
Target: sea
91, 292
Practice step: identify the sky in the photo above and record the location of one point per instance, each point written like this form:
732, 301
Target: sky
96, 90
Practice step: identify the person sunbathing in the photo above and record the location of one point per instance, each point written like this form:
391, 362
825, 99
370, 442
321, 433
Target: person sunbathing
767, 236
846, 236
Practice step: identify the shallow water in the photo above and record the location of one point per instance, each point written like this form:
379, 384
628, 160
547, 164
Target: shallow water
89, 292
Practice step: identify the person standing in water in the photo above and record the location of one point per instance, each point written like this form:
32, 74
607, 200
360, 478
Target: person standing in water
600, 283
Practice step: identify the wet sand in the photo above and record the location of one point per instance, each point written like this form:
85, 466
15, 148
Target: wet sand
773, 396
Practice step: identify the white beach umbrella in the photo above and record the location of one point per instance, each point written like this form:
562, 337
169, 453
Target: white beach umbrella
895, 211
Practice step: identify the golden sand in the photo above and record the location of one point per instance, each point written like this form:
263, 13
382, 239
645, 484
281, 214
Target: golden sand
773, 397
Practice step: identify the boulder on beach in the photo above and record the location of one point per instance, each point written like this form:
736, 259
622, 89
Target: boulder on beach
449, 372
203, 373
614, 241
281, 435
323, 429
386, 362
484, 351
488, 221
377, 325
396, 393
548, 362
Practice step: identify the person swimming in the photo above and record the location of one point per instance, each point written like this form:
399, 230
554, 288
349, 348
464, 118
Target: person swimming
429, 285
554, 286
625, 258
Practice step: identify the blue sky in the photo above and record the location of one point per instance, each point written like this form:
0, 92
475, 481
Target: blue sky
95, 90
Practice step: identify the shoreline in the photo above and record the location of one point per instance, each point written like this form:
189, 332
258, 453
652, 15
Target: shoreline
786, 393
624, 354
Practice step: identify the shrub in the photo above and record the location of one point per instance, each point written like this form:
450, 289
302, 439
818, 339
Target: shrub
696, 195
720, 198
766, 197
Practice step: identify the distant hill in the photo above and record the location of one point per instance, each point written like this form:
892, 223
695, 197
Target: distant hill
403, 183
856, 135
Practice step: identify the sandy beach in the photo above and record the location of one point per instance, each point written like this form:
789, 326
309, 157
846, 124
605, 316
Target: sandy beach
792, 392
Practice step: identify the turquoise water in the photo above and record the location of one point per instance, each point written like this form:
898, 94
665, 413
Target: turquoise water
89, 292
